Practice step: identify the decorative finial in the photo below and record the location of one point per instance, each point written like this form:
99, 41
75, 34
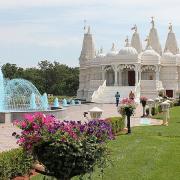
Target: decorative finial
85, 25
127, 41
170, 27
152, 21
134, 28
113, 47
148, 41
89, 30
101, 50
97, 52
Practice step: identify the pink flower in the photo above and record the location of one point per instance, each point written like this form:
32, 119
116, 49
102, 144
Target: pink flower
29, 117
21, 140
23, 124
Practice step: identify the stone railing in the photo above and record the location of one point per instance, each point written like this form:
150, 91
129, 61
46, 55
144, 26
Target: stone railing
94, 84
98, 92
148, 84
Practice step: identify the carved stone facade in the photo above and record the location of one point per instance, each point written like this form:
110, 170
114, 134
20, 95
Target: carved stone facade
147, 72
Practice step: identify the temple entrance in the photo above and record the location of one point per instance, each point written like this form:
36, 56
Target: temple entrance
110, 77
131, 78
128, 77
169, 93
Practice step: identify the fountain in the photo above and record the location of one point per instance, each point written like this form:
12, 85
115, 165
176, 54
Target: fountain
1, 91
33, 101
56, 103
44, 101
73, 102
64, 103
19, 97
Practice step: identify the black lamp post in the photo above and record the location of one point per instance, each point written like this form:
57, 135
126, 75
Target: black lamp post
128, 114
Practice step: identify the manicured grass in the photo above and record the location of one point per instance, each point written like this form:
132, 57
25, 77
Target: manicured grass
149, 153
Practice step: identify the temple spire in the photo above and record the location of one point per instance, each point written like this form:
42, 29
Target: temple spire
89, 30
113, 47
148, 42
152, 21
154, 39
88, 50
135, 40
127, 42
171, 42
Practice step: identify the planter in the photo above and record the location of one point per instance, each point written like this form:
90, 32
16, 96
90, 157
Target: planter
65, 161
26, 177
143, 105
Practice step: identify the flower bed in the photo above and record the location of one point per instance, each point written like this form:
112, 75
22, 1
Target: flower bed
66, 148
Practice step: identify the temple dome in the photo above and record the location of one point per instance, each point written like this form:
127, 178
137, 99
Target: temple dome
168, 58
150, 56
128, 50
113, 51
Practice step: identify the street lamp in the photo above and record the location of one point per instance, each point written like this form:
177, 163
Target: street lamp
150, 102
165, 108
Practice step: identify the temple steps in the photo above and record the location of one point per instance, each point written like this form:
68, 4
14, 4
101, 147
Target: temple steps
108, 95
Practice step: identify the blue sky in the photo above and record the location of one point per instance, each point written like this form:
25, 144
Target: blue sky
34, 30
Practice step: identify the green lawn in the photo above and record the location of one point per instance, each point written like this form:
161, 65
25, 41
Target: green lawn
149, 153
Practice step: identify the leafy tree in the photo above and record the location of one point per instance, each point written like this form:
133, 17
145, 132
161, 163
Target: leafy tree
53, 78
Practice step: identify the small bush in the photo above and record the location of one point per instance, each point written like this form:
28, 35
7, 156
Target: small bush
117, 124
14, 163
154, 111
159, 108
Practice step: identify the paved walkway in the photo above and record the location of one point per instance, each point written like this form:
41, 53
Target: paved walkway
75, 113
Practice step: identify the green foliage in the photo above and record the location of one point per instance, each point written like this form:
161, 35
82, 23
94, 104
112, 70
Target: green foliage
66, 160
117, 123
14, 163
52, 78
159, 108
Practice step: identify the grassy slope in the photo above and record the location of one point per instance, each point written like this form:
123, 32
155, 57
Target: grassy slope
149, 153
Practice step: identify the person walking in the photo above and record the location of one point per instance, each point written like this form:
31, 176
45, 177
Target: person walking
117, 96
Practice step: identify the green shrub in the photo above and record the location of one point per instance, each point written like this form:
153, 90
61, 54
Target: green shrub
154, 111
117, 123
14, 163
159, 108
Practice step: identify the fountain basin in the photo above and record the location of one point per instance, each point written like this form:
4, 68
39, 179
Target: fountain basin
10, 116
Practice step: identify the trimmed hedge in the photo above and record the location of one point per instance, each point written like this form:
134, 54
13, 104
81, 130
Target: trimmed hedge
117, 123
14, 163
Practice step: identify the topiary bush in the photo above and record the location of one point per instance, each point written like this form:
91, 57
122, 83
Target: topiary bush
14, 163
117, 123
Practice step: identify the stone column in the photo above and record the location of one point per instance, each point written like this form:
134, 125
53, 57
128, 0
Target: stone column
115, 80
115, 75
136, 74
157, 73
140, 71
120, 77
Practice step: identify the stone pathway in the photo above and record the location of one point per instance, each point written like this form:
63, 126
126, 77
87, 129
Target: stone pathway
73, 113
